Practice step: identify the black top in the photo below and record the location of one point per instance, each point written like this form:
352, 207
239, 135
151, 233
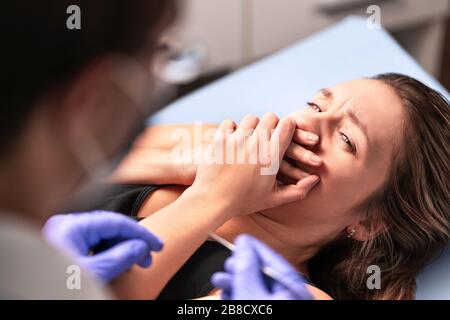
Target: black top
193, 279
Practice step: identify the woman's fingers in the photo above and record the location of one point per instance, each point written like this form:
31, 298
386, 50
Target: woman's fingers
247, 125
248, 182
281, 138
305, 138
267, 124
281, 143
303, 155
292, 171
294, 192
227, 126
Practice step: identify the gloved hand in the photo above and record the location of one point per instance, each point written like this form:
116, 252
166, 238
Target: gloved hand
243, 279
77, 234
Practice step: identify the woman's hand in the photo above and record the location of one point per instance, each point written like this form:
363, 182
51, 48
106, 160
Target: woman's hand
156, 158
220, 191
293, 167
240, 166
299, 157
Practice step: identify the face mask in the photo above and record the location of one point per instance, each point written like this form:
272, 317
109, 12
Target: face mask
135, 82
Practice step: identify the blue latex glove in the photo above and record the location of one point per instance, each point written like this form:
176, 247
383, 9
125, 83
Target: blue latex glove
243, 279
77, 234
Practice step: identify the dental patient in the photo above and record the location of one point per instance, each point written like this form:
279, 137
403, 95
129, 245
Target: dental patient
380, 147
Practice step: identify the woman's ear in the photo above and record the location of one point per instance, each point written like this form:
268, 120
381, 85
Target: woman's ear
364, 230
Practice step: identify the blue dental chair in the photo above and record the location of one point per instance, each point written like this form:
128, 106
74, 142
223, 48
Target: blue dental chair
283, 82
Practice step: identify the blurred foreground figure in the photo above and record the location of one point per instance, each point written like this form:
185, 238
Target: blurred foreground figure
73, 98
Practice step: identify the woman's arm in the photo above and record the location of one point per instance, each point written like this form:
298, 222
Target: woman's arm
219, 192
318, 294
167, 136
151, 160
164, 196
183, 226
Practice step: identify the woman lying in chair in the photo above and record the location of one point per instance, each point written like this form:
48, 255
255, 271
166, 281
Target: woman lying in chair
381, 149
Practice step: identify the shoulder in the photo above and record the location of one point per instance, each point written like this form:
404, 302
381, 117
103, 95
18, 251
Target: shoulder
318, 294
31, 269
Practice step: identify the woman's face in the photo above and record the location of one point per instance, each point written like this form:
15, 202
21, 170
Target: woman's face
357, 123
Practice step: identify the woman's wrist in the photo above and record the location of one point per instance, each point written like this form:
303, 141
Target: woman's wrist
205, 198
184, 173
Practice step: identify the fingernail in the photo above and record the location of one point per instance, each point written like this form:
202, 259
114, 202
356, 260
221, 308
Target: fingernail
313, 184
315, 159
312, 137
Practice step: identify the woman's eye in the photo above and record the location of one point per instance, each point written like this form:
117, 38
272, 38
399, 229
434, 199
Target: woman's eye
314, 106
347, 141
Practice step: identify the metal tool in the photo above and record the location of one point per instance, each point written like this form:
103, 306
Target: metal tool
268, 271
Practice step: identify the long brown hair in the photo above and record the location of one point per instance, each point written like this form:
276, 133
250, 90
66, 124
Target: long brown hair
413, 206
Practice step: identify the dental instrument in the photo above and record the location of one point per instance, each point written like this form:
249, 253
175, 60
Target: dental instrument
268, 271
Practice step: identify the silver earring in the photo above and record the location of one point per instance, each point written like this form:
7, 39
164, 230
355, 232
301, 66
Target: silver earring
351, 234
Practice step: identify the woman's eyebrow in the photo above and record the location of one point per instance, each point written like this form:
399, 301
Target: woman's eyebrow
354, 118
326, 93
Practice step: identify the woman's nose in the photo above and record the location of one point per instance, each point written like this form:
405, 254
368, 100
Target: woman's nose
318, 122
321, 124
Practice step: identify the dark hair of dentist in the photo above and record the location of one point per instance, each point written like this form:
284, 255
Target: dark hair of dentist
41, 55
70, 100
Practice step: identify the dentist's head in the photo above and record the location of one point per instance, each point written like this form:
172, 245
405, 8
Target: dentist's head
71, 97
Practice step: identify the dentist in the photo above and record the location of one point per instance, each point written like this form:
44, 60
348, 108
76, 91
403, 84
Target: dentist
71, 101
